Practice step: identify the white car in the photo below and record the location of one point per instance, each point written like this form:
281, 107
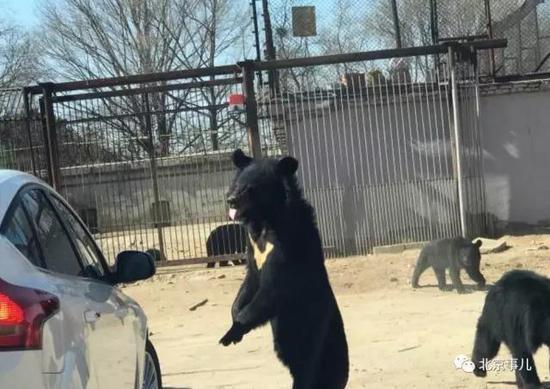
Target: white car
63, 322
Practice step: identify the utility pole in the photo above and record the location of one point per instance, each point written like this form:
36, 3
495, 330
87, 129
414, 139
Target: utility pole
396, 27
434, 22
256, 36
269, 53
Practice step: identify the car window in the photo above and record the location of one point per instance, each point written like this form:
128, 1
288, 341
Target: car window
19, 232
59, 255
88, 251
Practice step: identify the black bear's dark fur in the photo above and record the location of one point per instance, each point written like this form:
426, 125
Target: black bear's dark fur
453, 254
516, 312
225, 240
155, 254
290, 289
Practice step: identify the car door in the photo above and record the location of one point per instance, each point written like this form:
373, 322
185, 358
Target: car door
113, 318
35, 232
109, 354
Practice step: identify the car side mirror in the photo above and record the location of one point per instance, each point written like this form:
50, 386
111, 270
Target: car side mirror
133, 266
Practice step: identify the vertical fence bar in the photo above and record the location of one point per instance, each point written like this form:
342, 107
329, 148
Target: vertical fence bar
50, 134
458, 138
488, 226
154, 176
251, 108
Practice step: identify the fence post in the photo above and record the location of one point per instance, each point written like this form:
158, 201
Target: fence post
457, 129
491, 34
488, 227
251, 107
50, 135
28, 128
154, 175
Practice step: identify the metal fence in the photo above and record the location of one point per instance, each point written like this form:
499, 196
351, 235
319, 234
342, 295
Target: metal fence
344, 26
145, 159
21, 137
380, 156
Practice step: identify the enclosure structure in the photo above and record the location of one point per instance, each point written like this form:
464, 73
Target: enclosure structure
385, 158
145, 159
356, 25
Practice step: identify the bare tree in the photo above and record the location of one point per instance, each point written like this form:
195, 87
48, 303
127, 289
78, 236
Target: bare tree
341, 30
20, 62
108, 38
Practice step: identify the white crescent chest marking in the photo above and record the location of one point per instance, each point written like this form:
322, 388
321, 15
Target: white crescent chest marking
261, 256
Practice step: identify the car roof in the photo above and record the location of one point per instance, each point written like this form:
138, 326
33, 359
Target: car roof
11, 181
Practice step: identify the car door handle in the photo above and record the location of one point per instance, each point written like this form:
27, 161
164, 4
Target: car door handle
91, 316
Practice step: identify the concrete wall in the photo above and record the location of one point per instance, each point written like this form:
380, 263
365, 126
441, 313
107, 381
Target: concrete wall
122, 193
516, 139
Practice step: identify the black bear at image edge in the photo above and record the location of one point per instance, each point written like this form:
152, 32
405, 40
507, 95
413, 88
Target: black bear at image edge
516, 313
286, 283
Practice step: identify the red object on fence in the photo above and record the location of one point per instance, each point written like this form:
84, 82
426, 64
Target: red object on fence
236, 101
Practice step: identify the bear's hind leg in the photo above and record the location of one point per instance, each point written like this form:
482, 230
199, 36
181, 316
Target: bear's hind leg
526, 374
333, 367
527, 378
441, 280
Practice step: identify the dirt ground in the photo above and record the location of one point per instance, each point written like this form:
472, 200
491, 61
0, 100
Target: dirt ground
398, 337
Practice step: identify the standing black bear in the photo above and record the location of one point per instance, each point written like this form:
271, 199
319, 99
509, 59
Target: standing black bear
516, 312
453, 254
286, 281
225, 240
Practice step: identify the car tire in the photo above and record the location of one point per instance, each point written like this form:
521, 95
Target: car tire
152, 378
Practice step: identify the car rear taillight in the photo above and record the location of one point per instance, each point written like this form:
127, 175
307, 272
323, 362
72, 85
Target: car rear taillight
23, 311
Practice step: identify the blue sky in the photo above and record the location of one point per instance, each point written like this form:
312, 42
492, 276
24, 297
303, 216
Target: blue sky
23, 12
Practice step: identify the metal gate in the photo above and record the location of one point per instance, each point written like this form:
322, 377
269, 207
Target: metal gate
145, 159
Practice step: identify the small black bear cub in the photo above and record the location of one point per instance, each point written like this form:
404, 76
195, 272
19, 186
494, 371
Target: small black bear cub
286, 282
453, 254
225, 240
516, 312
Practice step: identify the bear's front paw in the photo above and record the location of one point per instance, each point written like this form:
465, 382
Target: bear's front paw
481, 286
234, 335
480, 372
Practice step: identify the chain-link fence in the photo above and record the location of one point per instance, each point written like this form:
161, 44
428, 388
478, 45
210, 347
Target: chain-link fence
343, 26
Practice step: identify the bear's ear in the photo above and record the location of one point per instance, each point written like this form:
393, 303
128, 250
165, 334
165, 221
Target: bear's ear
478, 243
287, 166
240, 160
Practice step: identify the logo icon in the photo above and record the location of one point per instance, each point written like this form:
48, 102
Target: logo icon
464, 363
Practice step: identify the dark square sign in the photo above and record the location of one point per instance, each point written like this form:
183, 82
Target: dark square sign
303, 21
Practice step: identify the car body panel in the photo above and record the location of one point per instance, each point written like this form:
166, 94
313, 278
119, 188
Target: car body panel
77, 351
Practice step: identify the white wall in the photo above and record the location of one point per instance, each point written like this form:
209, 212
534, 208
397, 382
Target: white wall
516, 139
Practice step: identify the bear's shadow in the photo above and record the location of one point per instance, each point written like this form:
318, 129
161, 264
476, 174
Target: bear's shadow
468, 289
545, 385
